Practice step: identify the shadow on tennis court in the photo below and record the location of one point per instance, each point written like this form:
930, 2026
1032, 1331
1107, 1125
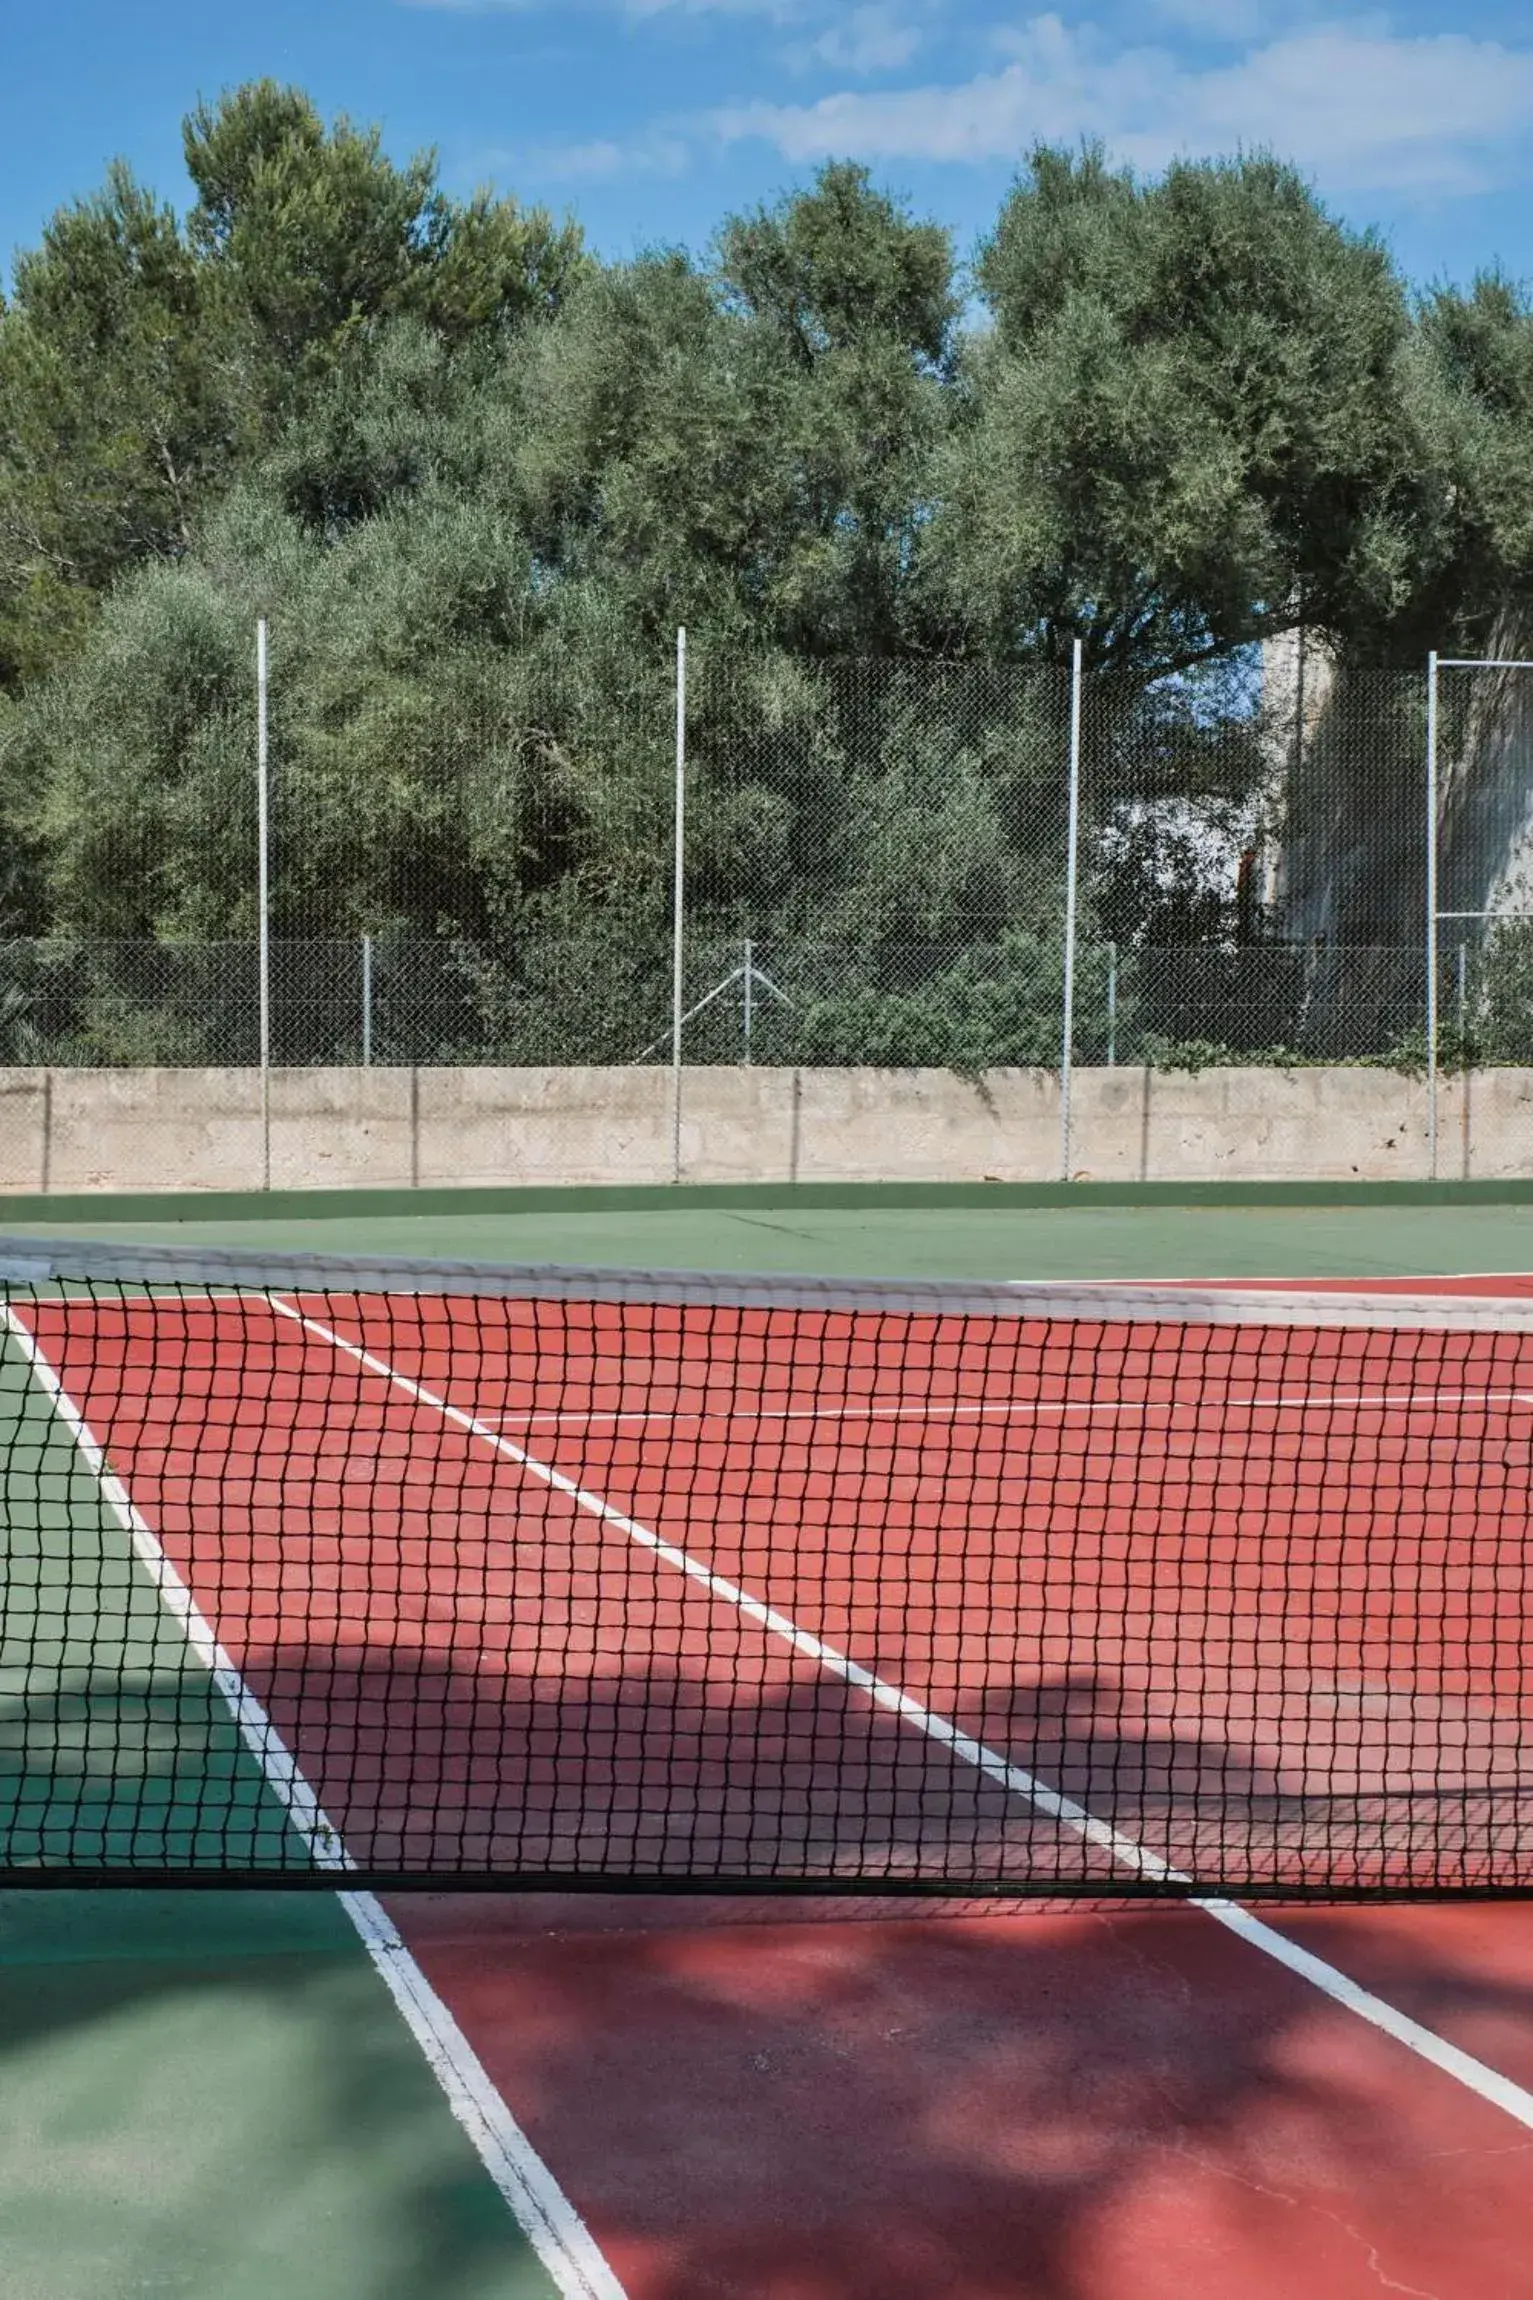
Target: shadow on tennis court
883, 2112
210, 2094
750, 2098
1056, 2105
649, 1766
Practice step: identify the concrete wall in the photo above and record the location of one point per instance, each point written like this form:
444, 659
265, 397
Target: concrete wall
201, 1129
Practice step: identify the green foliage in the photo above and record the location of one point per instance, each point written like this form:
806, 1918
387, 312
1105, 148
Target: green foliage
112, 419
1191, 423
476, 478
750, 448
985, 1008
310, 236
1485, 1004
1202, 410
145, 367
1499, 1010
115, 1003
841, 267
1476, 367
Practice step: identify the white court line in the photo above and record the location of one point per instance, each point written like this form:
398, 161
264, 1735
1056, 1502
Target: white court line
543, 2212
1490, 2085
1385, 1286
1010, 1409
190, 1297
1298, 1401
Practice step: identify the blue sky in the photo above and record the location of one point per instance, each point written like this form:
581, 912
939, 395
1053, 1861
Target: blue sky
650, 119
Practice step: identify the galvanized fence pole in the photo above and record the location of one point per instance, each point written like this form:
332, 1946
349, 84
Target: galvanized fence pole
1072, 875
1431, 917
679, 904
263, 895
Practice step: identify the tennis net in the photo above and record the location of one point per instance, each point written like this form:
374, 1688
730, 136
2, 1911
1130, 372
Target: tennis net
403, 1574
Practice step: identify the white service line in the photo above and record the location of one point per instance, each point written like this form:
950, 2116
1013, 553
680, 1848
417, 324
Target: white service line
543, 2212
1384, 1285
1513, 2099
182, 1297
1015, 1409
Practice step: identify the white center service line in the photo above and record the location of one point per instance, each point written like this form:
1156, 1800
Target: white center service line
1513, 2099
540, 2207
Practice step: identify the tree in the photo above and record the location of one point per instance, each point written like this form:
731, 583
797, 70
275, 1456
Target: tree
1192, 423
854, 302
476, 479
1476, 375
143, 365
310, 234
113, 424
751, 444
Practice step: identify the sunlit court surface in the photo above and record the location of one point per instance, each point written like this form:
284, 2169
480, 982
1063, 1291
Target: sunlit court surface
776, 1631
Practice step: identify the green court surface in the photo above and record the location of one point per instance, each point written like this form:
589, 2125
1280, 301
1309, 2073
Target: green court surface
207, 2095
1365, 1239
212, 2097
212, 2094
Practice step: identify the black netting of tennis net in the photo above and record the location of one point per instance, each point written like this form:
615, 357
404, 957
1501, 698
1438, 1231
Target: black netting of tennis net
387, 1573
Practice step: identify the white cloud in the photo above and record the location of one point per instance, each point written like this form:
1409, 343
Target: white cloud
871, 37
864, 40
775, 11
780, 11
1227, 21
576, 163
1361, 108
656, 153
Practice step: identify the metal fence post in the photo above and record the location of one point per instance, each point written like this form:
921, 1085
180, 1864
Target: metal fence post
678, 903
1072, 868
1431, 917
367, 1001
263, 897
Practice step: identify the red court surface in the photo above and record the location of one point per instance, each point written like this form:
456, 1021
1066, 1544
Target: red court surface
658, 1596
1061, 2105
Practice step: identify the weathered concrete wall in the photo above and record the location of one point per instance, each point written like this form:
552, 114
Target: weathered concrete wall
82, 1130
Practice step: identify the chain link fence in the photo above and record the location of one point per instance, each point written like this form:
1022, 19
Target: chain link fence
477, 867
967, 1004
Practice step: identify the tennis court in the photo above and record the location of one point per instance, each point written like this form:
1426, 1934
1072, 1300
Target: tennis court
706, 1586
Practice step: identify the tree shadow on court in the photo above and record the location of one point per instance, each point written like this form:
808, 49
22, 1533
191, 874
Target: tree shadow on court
830, 2100
205, 2093
209, 2095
